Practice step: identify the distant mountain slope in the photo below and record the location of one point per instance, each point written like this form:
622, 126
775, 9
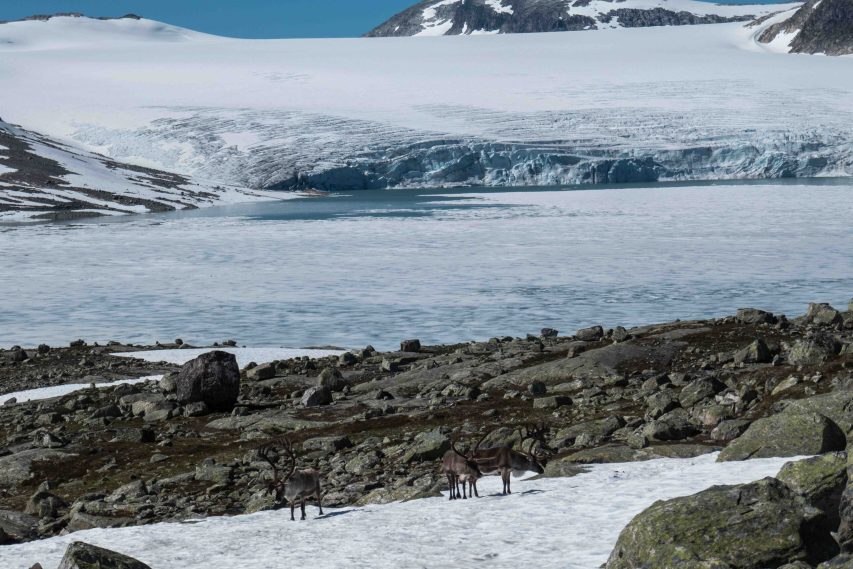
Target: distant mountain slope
820, 26
456, 17
43, 179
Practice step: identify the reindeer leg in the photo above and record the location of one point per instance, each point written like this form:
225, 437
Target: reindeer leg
464, 493
320, 502
474, 488
451, 485
302, 508
292, 509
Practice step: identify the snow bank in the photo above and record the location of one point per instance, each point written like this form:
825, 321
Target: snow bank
60, 390
570, 523
244, 355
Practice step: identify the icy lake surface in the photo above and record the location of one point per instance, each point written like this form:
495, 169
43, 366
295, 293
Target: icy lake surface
442, 266
567, 523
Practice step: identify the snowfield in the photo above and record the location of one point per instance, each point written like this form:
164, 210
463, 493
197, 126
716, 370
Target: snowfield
570, 523
622, 105
244, 355
62, 390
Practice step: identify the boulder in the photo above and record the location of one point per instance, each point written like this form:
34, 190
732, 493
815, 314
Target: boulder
552, 402
332, 379
786, 434
591, 334
597, 430
750, 526
18, 526
820, 480
620, 334
699, 390
822, 314
814, 350
729, 430
843, 561
81, 555
410, 346
261, 372
213, 378
673, 426
17, 468
549, 333
316, 397
836, 405
755, 316
430, 445
755, 353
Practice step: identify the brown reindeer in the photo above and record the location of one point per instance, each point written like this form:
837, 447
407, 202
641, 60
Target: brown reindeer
504, 460
296, 485
460, 468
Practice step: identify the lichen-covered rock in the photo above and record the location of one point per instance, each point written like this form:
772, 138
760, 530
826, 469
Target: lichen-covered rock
430, 445
836, 405
81, 555
843, 561
756, 353
591, 334
316, 397
213, 378
750, 526
820, 480
786, 434
673, 426
699, 390
755, 316
814, 350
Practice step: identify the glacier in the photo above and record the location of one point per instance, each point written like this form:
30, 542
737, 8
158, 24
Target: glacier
605, 106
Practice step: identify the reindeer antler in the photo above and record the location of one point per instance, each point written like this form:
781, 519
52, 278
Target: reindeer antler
456, 450
533, 432
288, 448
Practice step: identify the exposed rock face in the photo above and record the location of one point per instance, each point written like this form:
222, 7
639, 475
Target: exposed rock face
786, 434
524, 16
820, 481
81, 555
820, 26
750, 526
212, 378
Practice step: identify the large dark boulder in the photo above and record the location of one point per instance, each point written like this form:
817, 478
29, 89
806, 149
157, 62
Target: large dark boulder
81, 555
212, 378
820, 480
750, 526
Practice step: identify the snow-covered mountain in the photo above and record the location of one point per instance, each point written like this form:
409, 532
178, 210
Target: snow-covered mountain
819, 26
628, 105
456, 17
42, 179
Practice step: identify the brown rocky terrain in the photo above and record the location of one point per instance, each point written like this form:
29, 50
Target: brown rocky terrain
376, 424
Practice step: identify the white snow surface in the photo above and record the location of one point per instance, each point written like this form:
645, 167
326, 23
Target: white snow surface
570, 523
516, 109
244, 355
61, 390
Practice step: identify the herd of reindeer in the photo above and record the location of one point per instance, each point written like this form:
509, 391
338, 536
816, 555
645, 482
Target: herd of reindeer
299, 486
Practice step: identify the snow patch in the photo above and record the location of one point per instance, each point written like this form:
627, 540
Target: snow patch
62, 390
244, 355
585, 515
498, 6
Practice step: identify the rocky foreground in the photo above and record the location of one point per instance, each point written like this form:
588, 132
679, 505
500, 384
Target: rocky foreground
376, 424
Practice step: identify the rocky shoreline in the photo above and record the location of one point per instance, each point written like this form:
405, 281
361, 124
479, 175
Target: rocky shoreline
375, 425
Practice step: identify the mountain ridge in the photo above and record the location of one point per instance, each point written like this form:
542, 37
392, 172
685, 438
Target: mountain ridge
471, 17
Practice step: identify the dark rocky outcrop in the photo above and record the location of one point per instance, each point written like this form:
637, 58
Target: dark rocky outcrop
821, 26
527, 16
81, 555
212, 378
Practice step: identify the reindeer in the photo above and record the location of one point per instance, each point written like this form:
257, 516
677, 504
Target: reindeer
460, 468
504, 460
296, 485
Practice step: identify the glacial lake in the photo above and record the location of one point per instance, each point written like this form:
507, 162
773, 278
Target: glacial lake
376, 267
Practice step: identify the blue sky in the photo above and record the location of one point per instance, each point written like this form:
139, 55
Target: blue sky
237, 18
